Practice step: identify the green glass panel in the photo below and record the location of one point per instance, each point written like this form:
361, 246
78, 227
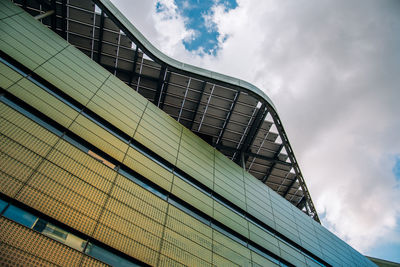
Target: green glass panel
128, 192
8, 9
23, 33
263, 238
230, 249
162, 117
99, 137
205, 180
206, 162
148, 168
291, 255
230, 194
8, 76
193, 231
186, 251
260, 261
192, 196
44, 102
231, 219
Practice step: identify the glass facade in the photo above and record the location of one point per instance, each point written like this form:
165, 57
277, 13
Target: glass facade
93, 173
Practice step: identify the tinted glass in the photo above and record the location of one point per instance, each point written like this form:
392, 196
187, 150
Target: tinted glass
59, 234
107, 257
20, 216
3, 204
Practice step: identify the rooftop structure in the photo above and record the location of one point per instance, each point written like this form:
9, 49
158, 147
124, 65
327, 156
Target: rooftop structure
230, 114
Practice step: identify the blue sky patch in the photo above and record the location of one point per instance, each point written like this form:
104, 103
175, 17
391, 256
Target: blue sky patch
396, 168
197, 14
387, 251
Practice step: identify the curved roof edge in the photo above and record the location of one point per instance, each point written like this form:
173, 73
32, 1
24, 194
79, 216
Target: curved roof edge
149, 48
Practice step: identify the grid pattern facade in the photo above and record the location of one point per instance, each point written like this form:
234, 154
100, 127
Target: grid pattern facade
97, 167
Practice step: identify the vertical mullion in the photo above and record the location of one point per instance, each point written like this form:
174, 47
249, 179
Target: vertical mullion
205, 110
184, 98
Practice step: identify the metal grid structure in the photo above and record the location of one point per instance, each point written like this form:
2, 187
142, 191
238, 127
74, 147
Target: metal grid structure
238, 122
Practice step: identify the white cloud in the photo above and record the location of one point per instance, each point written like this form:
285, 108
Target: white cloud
170, 27
208, 21
333, 70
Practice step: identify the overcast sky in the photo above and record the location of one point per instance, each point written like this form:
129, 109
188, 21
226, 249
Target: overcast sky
332, 68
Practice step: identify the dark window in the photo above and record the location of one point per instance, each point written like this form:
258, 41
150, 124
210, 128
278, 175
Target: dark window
107, 257
3, 205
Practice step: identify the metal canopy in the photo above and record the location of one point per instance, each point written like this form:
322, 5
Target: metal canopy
237, 119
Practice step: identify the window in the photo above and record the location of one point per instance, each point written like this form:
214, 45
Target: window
20, 216
3, 205
106, 256
60, 235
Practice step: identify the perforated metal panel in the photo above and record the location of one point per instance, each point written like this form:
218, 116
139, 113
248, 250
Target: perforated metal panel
21, 246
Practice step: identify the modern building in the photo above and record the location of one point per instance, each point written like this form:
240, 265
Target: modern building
113, 153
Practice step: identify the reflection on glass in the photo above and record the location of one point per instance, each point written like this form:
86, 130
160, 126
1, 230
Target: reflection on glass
107, 257
59, 234
101, 159
3, 204
20, 216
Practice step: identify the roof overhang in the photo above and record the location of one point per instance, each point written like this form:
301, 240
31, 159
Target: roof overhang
232, 115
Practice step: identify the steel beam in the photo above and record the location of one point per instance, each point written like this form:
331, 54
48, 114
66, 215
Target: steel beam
243, 161
44, 15
227, 119
293, 160
135, 58
255, 127
268, 173
251, 154
301, 203
112, 69
160, 84
289, 187
54, 15
272, 160
164, 92
196, 109
184, 99
64, 19
101, 32
206, 108
45, 4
